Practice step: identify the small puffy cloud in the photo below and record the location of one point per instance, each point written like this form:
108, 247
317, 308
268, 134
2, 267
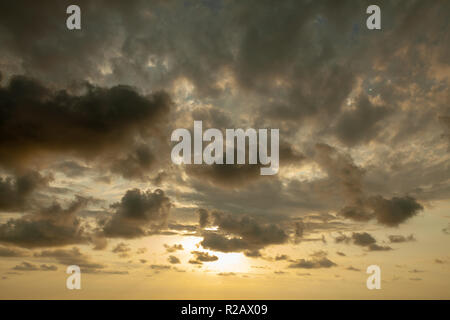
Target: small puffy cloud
26, 266
173, 260
15, 192
363, 239
173, 248
122, 249
401, 238
7, 252
203, 217
50, 226
204, 256
314, 263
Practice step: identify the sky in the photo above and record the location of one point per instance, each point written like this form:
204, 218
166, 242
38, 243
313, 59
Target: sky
86, 176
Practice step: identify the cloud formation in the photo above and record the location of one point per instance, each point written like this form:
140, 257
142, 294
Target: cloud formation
137, 213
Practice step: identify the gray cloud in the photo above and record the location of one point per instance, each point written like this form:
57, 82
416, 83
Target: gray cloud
173, 248
248, 233
137, 213
314, 263
7, 252
50, 226
71, 257
200, 257
400, 238
26, 266
97, 122
173, 260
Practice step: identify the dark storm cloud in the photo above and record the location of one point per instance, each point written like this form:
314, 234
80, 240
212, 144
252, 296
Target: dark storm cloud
50, 226
138, 213
122, 249
14, 192
100, 120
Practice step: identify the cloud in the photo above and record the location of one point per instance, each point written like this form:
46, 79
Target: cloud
95, 123
173, 260
173, 248
226, 274
71, 169
160, 267
281, 257
71, 257
377, 247
7, 252
122, 249
400, 238
314, 263
363, 239
394, 211
26, 266
203, 217
248, 232
362, 124
253, 254
46, 267
50, 226
15, 192
200, 257
367, 240
353, 269
138, 213
360, 205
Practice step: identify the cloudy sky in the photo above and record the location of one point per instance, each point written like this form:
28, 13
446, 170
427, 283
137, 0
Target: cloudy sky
86, 176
